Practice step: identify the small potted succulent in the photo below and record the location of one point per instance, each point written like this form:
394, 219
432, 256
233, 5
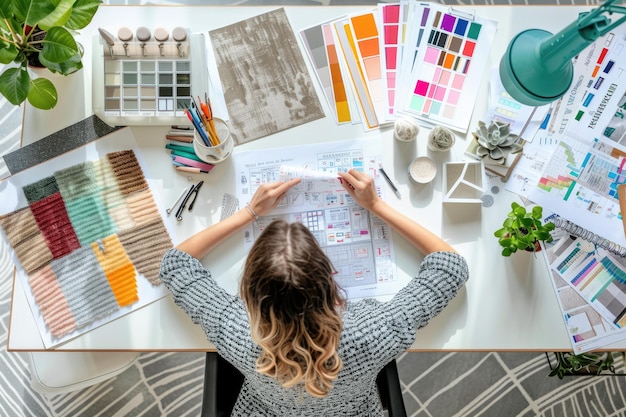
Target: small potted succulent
40, 33
495, 141
523, 230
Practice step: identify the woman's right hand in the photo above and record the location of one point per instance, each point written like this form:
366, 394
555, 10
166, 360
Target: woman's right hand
361, 188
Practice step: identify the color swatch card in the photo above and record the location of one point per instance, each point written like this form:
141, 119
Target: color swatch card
319, 42
147, 88
86, 235
391, 20
452, 61
416, 20
358, 37
598, 277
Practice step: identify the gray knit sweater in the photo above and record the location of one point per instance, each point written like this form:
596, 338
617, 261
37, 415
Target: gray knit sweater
373, 334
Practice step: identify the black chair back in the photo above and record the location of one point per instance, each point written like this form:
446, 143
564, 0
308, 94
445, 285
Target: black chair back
222, 383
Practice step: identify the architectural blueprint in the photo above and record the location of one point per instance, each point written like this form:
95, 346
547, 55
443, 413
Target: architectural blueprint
358, 243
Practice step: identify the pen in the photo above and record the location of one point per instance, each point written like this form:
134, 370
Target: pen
169, 210
191, 116
179, 212
391, 184
195, 190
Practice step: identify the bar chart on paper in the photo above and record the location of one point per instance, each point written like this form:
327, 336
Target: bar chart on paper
580, 183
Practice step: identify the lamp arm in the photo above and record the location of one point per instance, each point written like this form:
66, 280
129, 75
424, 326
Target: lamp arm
592, 25
558, 50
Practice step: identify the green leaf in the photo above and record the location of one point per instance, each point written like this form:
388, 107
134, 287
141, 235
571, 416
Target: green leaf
58, 16
526, 222
5, 8
66, 67
42, 94
506, 252
83, 13
58, 46
507, 241
500, 232
14, 84
8, 54
537, 212
32, 12
519, 211
542, 235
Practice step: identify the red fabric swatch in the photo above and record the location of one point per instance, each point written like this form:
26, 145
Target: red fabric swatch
55, 225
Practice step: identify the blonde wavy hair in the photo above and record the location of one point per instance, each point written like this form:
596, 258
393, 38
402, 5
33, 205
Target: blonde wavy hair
295, 306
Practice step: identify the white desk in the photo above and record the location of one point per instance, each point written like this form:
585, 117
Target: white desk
508, 303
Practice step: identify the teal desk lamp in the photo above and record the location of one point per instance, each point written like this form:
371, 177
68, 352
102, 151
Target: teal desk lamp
537, 67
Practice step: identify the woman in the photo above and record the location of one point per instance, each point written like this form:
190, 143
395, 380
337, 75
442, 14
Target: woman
303, 349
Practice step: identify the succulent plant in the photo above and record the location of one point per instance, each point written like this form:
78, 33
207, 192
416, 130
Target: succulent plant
496, 140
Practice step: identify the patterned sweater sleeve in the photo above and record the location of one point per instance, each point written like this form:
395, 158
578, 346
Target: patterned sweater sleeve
221, 315
387, 328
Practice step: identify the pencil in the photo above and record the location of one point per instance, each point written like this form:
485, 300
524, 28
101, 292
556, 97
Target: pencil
192, 170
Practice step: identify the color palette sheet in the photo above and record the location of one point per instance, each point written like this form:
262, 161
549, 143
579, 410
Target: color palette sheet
150, 87
596, 276
453, 55
588, 330
87, 236
392, 20
321, 48
358, 37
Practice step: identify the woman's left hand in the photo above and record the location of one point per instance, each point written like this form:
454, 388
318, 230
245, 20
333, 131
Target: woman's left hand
268, 195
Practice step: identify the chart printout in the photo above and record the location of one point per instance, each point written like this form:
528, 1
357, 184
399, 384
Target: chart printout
358, 243
580, 183
589, 286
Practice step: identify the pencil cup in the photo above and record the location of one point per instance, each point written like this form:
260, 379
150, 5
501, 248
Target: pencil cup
218, 153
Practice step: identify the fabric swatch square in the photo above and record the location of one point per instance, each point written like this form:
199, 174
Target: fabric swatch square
145, 246
55, 225
126, 169
40, 189
117, 268
86, 288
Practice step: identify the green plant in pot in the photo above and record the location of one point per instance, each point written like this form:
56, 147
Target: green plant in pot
40, 33
523, 229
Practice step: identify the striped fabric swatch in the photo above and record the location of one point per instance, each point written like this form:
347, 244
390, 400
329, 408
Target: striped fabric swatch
126, 169
145, 246
84, 285
23, 234
85, 208
51, 216
86, 234
52, 302
41, 189
117, 268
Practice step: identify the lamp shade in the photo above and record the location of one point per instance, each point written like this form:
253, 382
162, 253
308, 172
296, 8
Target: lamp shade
526, 78
537, 67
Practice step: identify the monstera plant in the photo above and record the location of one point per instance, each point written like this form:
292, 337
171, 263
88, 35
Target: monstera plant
40, 33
